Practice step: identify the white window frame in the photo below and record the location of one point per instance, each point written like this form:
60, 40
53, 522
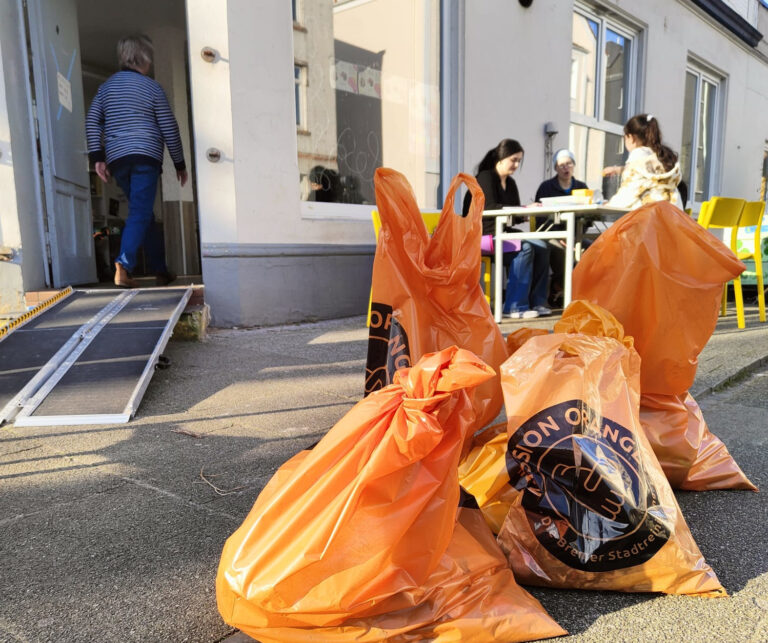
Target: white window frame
297, 11
705, 73
629, 31
300, 91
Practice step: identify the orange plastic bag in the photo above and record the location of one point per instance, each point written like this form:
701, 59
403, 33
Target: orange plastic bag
361, 538
662, 276
518, 337
426, 293
483, 471
594, 509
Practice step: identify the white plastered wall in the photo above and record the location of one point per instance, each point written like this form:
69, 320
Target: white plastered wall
517, 75
516, 79
243, 104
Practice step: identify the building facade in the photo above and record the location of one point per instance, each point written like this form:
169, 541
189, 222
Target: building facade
292, 106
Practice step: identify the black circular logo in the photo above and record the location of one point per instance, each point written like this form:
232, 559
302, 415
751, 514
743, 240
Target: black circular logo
585, 493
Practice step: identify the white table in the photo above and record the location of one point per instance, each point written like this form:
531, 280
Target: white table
572, 215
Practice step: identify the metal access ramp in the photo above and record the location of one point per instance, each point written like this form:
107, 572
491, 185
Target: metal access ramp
87, 358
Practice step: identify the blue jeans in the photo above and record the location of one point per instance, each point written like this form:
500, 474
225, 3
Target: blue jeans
528, 279
139, 182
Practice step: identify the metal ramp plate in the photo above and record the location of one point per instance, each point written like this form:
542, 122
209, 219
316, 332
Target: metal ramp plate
35, 344
104, 377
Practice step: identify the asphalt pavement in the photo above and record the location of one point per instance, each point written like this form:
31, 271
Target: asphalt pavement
113, 532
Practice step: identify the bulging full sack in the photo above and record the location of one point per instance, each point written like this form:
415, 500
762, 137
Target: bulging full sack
426, 292
662, 275
593, 509
362, 538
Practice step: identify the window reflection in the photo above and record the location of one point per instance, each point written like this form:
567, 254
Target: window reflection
705, 146
372, 97
689, 114
584, 65
617, 57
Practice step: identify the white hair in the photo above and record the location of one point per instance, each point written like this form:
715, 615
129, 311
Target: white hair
135, 52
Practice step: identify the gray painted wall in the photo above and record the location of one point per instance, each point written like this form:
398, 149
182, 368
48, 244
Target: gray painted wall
278, 283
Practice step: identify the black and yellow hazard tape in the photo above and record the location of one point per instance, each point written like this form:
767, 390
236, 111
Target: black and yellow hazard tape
34, 312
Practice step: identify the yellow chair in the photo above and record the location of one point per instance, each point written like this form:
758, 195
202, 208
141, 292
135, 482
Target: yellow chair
726, 212
431, 219
752, 215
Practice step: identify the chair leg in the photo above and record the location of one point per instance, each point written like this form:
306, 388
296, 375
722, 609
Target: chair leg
724, 300
487, 278
760, 291
739, 302
370, 302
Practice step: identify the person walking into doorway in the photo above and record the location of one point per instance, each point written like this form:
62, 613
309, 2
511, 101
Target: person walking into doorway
127, 126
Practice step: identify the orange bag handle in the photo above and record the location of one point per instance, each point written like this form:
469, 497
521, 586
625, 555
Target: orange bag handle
400, 218
460, 234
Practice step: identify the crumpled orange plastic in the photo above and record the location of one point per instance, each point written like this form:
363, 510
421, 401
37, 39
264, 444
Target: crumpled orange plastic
362, 538
519, 336
593, 509
426, 292
662, 275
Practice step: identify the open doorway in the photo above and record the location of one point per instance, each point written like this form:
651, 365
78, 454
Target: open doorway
101, 23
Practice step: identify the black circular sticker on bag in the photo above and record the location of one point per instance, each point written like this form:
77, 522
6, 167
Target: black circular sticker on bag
585, 495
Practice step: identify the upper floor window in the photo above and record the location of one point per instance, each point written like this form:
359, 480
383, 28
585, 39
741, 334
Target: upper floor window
701, 131
300, 94
372, 97
604, 56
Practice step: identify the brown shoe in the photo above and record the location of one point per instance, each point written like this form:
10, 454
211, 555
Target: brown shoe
123, 277
164, 278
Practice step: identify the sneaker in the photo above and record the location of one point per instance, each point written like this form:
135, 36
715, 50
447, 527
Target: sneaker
542, 310
522, 314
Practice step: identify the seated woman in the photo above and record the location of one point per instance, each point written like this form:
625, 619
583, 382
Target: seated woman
562, 184
527, 261
651, 172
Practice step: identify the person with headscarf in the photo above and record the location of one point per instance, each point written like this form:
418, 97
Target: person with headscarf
562, 184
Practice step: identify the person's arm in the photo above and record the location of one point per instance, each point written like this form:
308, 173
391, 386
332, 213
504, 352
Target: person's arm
170, 130
634, 184
94, 129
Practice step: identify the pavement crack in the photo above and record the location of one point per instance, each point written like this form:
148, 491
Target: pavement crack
22, 450
180, 499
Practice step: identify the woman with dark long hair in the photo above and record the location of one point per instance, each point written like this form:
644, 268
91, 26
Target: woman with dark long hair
651, 172
527, 261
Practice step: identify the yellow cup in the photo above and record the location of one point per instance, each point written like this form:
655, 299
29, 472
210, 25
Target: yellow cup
589, 193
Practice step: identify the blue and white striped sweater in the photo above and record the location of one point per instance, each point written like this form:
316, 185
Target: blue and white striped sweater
131, 113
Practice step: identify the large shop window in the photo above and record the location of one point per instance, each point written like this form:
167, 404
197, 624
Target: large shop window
372, 99
604, 58
701, 131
